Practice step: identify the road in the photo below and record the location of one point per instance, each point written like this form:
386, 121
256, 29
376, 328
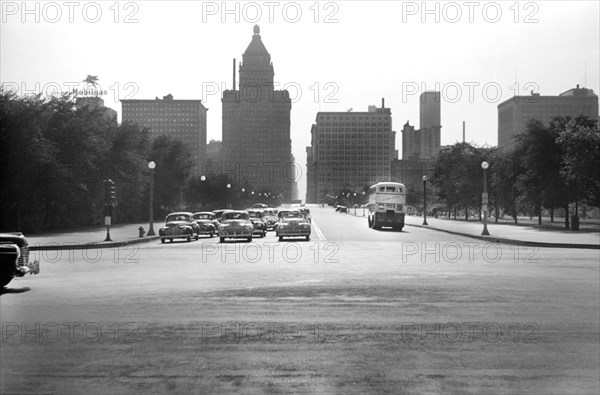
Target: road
353, 310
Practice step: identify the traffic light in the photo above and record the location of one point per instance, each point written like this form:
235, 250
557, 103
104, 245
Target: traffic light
110, 193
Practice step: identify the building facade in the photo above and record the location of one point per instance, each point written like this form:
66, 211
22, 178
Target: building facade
349, 150
424, 143
514, 113
257, 148
184, 120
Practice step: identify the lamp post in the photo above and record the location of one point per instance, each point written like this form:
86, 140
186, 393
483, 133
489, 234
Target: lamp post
425, 200
484, 198
151, 166
363, 203
228, 203
203, 179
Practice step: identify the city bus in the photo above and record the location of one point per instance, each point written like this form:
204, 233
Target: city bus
387, 202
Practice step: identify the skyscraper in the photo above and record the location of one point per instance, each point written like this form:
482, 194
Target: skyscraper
349, 150
424, 143
181, 119
257, 149
514, 113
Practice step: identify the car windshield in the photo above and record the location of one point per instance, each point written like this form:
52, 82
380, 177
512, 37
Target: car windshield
178, 217
255, 215
202, 216
227, 216
268, 212
291, 214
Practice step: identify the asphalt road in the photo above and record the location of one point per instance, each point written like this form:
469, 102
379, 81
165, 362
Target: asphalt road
353, 310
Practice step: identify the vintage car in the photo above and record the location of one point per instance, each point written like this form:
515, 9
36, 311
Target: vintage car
179, 226
257, 219
342, 209
207, 223
270, 218
259, 205
218, 213
292, 223
235, 225
14, 258
307, 213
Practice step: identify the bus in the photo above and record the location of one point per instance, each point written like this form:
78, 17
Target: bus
387, 203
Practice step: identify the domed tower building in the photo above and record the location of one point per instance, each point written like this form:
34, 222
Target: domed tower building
257, 149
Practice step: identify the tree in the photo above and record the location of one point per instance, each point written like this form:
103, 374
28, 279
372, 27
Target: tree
173, 166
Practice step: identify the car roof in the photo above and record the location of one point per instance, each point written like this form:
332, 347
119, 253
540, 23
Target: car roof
180, 213
204, 212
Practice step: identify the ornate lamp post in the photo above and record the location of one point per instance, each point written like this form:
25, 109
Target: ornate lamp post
151, 166
425, 200
484, 198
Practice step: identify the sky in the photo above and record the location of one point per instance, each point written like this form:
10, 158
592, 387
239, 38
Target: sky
330, 55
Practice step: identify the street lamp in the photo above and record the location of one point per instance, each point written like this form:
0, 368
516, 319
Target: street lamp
484, 198
203, 179
363, 203
425, 200
151, 166
228, 188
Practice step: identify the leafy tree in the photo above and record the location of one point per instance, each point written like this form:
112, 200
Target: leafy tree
173, 166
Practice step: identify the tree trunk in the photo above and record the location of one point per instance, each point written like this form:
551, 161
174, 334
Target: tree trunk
480, 213
567, 217
466, 213
497, 213
552, 214
539, 214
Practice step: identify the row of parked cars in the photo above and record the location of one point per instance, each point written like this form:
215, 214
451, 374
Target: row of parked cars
237, 224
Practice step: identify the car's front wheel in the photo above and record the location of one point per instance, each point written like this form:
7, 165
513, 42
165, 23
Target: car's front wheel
280, 238
221, 240
162, 241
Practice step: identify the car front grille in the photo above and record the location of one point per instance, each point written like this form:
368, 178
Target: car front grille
24, 258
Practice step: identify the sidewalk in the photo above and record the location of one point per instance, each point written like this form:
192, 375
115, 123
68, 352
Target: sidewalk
513, 234
93, 237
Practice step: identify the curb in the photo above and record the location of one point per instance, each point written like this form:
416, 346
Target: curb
53, 246
493, 239
514, 242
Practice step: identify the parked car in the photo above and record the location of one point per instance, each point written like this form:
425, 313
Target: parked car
207, 223
259, 205
270, 218
14, 258
235, 225
257, 219
179, 225
292, 223
343, 209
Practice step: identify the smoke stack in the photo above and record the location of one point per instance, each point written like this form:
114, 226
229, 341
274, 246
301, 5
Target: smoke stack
463, 131
233, 73
382, 102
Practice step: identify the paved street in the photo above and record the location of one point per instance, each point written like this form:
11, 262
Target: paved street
353, 310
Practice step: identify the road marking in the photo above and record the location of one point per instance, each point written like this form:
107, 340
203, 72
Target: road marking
320, 234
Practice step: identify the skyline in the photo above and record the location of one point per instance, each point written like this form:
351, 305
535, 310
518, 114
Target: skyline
375, 50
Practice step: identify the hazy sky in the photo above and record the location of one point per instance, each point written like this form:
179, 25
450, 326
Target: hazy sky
331, 56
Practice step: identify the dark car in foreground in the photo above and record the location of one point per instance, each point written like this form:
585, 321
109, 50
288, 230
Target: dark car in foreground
292, 223
259, 222
14, 258
179, 225
235, 225
207, 223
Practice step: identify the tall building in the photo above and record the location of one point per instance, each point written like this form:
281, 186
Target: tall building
181, 119
424, 143
430, 123
349, 150
257, 148
514, 113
